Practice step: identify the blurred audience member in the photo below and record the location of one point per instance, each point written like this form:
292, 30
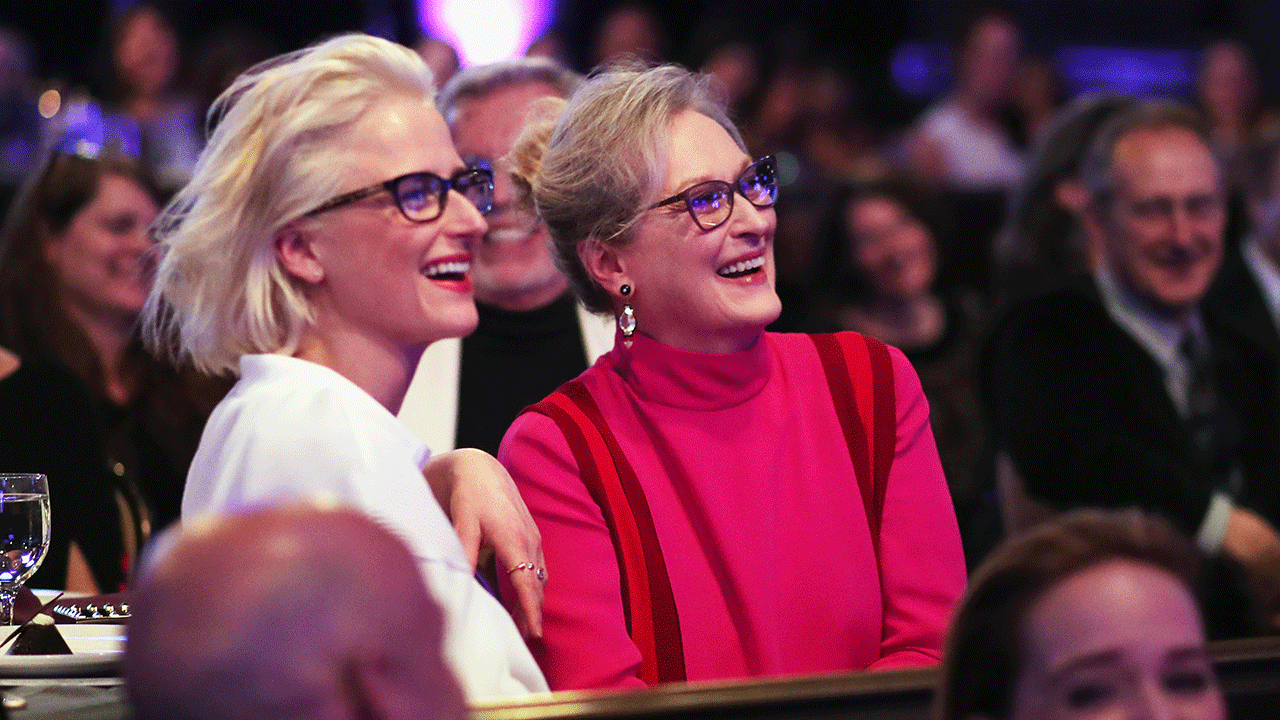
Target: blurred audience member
145, 61
773, 124
1043, 241
532, 335
73, 277
1247, 291
884, 254
1037, 95
632, 30
833, 141
549, 45
19, 118
962, 141
278, 612
1227, 94
1118, 390
441, 57
736, 66
1091, 615
221, 58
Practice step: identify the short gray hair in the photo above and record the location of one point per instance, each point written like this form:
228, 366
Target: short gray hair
605, 157
1096, 170
220, 292
480, 80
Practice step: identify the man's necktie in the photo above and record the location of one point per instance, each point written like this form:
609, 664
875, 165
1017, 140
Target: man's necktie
1202, 395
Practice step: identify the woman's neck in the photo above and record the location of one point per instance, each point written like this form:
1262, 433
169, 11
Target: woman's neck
145, 107
380, 369
977, 109
906, 320
1229, 131
110, 337
709, 343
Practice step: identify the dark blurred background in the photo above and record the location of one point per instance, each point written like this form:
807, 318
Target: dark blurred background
845, 94
869, 40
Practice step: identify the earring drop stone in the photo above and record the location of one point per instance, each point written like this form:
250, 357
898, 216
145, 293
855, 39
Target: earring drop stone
627, 321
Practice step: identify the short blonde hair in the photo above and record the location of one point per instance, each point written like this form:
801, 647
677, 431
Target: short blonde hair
593, 173
220, 292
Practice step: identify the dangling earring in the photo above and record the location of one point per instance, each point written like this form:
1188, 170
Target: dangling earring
627, 318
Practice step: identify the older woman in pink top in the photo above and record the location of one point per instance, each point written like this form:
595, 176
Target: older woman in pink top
715, 501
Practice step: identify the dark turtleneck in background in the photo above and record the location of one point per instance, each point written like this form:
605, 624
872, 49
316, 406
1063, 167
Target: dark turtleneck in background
511, 361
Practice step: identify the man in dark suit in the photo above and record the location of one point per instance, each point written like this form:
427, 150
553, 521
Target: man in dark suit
1247, 291
1119, 391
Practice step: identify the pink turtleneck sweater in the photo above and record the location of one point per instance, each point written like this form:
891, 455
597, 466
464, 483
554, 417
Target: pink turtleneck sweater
759, 516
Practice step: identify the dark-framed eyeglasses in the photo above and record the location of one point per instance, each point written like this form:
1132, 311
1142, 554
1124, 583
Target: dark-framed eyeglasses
710, 203
421, 196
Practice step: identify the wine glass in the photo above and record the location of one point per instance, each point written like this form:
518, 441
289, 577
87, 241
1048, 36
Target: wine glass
24, 533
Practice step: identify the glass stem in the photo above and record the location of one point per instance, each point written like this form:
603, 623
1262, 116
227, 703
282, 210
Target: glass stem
8, 594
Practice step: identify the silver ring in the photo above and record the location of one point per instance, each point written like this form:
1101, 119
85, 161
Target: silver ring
538, 572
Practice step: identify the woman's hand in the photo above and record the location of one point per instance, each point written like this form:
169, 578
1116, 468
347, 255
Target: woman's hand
481, 500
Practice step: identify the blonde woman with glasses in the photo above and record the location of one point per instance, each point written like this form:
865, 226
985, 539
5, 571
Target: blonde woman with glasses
323, 242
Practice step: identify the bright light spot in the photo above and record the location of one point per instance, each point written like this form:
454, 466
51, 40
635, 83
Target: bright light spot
485, 31
49, 104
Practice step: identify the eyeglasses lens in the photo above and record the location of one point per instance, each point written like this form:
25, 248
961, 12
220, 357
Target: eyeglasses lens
422, 195
477, 187
760, 183
710, 203
419, 196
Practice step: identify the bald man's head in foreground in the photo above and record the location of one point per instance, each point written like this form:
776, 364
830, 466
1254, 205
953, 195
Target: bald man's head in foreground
291, 612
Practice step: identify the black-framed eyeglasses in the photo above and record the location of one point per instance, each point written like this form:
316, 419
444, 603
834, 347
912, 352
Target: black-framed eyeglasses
421, 196
710, 203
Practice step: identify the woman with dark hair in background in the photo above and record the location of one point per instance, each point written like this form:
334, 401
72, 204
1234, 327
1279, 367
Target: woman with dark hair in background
112, 427
881, 262
961, 141
1227, 93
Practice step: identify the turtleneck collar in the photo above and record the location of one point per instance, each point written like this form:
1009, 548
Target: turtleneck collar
690, 380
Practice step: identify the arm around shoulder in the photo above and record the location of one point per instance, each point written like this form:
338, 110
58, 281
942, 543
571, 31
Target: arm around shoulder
487, 513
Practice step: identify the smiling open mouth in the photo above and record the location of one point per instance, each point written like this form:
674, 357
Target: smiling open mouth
743, 268
447, 270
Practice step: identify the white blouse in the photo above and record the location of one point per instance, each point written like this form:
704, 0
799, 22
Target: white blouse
290, 430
